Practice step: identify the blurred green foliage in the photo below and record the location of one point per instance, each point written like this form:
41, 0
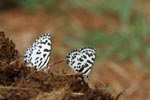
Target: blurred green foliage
32, 5
128, 42
29, 4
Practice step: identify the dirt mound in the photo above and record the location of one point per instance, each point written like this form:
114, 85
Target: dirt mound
17, 82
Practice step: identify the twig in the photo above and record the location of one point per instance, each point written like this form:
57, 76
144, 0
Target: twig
60, 61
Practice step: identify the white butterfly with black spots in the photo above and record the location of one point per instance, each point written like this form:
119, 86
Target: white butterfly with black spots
38, 54
81, 60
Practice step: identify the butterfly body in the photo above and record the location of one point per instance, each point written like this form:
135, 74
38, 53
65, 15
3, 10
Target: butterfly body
38, 54
81, 60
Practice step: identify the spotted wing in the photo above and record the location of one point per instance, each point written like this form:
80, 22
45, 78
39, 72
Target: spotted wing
89, 55
81, 61
73, 60
38, 54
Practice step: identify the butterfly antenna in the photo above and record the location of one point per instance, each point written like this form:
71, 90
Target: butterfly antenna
60, 61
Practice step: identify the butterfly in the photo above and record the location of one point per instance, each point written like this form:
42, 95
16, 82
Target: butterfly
81, 60
38, 54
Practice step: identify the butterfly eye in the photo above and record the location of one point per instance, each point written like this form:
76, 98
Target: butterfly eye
81, 60
38, 54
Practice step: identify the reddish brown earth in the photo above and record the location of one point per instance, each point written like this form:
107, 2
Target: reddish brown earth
17, 82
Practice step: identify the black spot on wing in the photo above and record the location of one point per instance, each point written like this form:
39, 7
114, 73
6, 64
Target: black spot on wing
46, 61
67, 61
40, 46
87, 70
73, 57
72, 62
78, 67
84, 57
89, 61
25, 56
38, 52
75, 67
80, 59
31, 59
44, 42
36, 58
40, 63
41, 59
89, 54
44, 55
81, 69
79, 63
93, 59
75, 54
46, 50
48, 43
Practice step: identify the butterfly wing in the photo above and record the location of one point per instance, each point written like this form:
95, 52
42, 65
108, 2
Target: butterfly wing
38, 54
81, 61
73, 60
89, 55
